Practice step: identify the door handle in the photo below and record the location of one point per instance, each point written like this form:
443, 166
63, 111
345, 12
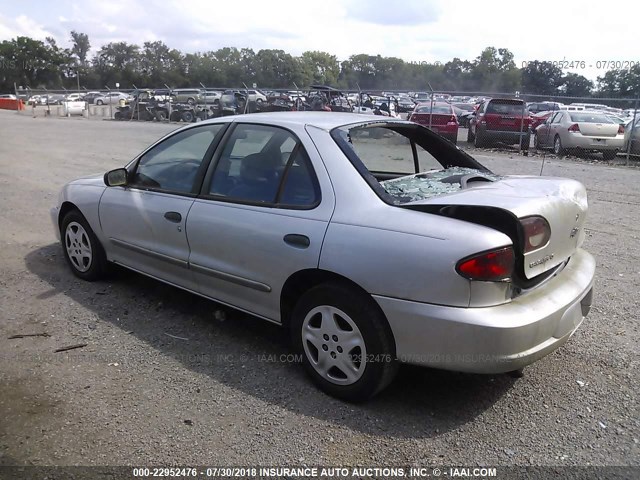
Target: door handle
297, 240
174, 217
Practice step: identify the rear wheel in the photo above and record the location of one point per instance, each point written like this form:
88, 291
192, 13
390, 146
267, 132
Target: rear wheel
558, 149
345, 341
525, 142
81, 247
470, 136
161, 115
478, 141
99, 102
188, 116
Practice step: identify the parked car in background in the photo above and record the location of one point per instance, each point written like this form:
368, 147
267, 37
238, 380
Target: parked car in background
405, 103
463, 110
371, 241
212, 96
439, 117
8, 96
54, 99
537, 107
111, 98
539, 118
90, 97
504, 120
580, 132
188, 95
75, 97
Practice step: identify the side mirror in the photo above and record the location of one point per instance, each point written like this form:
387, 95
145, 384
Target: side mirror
116, 178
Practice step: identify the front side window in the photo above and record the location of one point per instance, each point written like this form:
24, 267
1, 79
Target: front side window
173, 164
265, 165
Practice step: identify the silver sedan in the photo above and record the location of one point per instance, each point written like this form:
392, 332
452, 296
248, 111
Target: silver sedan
581, 131
372, 241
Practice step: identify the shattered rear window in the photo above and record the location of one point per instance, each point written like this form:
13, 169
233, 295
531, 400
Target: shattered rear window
422, 186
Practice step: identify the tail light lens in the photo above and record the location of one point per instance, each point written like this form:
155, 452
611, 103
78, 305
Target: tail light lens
453, 120
620, 129
537, 233
574, 128
493, 266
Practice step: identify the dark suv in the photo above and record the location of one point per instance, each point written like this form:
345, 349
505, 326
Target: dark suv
503, 120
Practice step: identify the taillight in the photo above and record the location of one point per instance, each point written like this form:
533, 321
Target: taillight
453, 120
493, 266
537, 233
620, 129
574, 128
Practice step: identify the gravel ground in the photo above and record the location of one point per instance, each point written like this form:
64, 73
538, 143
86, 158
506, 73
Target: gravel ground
165, 380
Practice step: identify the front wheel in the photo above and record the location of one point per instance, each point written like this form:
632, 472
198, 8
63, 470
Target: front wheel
81, 247
346, 343
188, 116
99, 102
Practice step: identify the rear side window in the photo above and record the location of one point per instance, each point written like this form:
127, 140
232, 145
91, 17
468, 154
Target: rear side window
265, 165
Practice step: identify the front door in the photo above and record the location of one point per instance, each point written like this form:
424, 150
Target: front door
145, 221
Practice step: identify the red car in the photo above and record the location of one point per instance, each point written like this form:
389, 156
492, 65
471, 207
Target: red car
439, 117
539, 118
500, 120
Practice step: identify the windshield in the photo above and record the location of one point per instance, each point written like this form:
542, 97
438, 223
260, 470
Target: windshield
394, 158
584, 117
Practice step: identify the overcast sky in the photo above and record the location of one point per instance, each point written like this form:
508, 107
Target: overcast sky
414, 30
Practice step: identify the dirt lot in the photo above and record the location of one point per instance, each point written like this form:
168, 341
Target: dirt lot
164, 381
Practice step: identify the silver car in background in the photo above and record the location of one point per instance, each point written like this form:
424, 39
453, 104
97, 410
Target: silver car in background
582, 131
373, 241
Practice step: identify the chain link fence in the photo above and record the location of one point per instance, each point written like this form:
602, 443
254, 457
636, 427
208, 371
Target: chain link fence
518, 121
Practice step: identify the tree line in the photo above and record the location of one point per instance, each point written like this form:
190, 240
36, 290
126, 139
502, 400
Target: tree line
39, 64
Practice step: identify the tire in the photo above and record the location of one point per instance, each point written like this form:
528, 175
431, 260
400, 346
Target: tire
558, 149
118, 116
478, 141
99, 102
175, 116
191, 101
187, 116
609, 154
524, 143
470, 136
161, 115
329, 312
82, 249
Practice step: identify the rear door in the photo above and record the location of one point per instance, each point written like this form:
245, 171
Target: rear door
262, 215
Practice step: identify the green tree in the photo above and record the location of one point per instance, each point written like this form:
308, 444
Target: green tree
118, 62
575, 85
542, 78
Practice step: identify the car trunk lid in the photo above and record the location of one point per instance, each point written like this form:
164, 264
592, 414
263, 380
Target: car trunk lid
501, 202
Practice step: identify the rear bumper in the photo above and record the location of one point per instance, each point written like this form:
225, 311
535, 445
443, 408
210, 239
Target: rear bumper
590, 143
506, 136
494, 339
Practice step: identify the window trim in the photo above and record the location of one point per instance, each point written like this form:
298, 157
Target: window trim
204, 194
132, 168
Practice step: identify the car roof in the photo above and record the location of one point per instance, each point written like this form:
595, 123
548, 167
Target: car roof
323, 120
